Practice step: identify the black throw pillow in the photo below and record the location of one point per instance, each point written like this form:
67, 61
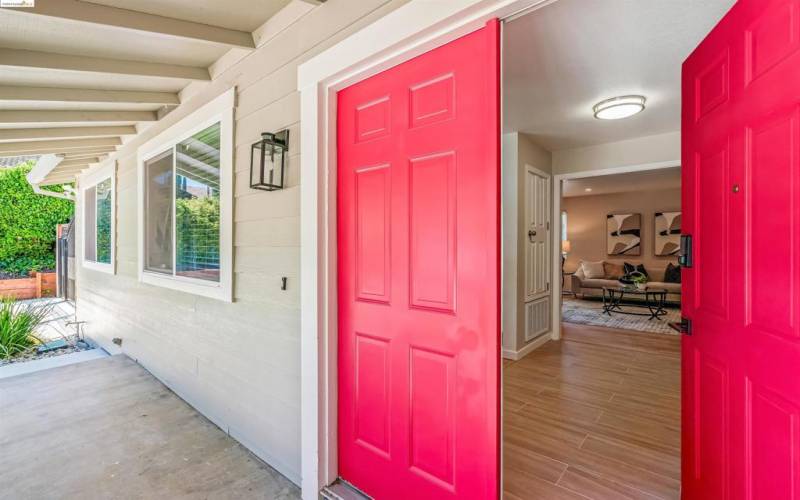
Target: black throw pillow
629, 268
672, 274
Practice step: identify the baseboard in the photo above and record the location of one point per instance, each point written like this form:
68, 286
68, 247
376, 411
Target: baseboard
528, 348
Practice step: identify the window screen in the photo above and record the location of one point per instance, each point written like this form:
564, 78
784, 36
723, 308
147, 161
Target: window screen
103, 215
183, 208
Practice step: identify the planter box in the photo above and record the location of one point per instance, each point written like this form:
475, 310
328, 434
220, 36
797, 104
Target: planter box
40, 285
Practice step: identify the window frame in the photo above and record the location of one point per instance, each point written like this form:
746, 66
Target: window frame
219, 110
87, 181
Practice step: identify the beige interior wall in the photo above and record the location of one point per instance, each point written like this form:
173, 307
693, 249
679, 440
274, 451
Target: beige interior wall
238, 363
518, 151
586, 224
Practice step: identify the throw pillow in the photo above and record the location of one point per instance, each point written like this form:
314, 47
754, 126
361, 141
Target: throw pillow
613, 271
593, 270
672, 274
629, 268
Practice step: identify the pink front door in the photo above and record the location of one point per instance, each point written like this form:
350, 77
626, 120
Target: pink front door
741, 202
418, 249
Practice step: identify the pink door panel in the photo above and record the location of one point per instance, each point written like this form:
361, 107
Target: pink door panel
418, 271
741, 200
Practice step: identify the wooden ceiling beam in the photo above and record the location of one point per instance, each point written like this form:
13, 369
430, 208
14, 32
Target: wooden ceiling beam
58, 94
59, 179
60, 146
39, 134
61, 116
20, 58
86, 155
77, 162
44, 151
147, 24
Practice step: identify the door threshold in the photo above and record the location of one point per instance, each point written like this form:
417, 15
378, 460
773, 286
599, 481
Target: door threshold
342, 490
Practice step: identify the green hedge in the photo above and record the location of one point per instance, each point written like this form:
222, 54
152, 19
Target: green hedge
28, 223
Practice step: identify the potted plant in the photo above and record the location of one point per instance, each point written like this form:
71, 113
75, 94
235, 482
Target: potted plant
638, 279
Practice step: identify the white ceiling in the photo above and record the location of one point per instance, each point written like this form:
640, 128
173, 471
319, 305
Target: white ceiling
649, 180
562, 59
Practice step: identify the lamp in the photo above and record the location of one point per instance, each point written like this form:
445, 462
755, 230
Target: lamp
566, 246
268, 161
619, 107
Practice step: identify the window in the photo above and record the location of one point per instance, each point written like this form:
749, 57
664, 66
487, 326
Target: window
186, 184
564, 236
99, 212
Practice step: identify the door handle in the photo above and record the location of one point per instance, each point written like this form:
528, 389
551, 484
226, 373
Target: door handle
531, 234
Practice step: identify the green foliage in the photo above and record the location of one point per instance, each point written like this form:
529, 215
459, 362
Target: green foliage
17, 325
197, 233
104, 222
28, 223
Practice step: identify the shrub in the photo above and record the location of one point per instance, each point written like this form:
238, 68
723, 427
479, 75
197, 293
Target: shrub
18, 323
28, 223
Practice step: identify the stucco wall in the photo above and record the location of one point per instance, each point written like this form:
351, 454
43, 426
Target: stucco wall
238, 363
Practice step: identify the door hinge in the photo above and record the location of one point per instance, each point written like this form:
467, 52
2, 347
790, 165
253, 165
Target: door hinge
686, 326
547, 286
685, 259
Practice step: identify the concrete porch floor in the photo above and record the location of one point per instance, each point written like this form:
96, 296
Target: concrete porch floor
107, 429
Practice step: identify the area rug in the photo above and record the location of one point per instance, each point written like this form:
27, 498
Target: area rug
590, 312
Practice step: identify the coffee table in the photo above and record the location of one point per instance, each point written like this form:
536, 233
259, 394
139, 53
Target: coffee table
654, 300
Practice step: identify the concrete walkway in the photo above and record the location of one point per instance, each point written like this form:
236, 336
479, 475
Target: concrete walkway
107, 429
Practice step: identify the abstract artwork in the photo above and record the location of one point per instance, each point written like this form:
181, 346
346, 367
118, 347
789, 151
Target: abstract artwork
667, 231
624, 234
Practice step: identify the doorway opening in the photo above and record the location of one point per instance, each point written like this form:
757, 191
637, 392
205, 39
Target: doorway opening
591, 240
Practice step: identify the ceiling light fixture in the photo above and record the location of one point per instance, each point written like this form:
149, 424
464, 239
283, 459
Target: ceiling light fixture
617, 108
588, 190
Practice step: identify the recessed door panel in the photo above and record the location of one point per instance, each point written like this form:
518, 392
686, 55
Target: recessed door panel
373, 189
373, 382
773, 447
771, 207
432, 200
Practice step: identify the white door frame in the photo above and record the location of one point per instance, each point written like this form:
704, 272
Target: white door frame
557, 194
411, 30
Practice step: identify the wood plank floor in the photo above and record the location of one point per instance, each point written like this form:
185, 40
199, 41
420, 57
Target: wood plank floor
595, 415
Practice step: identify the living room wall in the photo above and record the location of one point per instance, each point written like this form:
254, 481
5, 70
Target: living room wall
586, 225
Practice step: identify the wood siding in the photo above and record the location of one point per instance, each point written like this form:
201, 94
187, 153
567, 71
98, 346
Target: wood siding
239, 363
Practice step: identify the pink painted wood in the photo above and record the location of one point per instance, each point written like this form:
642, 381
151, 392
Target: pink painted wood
741, 199
418, 256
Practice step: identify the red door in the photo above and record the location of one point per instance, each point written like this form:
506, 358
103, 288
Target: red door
418, 250
741, 198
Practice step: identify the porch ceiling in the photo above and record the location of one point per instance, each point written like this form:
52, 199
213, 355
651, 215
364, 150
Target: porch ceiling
85, 76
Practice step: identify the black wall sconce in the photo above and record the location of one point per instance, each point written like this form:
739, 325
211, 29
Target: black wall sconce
268, 161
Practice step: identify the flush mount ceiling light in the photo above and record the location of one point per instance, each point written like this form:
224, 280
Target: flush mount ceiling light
617, 108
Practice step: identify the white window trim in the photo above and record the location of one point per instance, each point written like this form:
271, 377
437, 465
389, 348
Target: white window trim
218, 110
89, 180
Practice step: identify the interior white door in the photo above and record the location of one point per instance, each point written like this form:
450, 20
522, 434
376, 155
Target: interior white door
537, 253
537, 234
